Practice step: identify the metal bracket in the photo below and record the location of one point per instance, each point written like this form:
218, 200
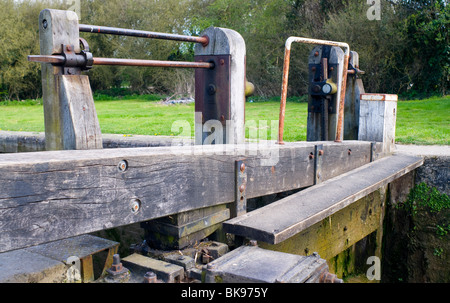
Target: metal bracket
213, 89
373, 151
74, 63
318, 160
316, 77
239, 208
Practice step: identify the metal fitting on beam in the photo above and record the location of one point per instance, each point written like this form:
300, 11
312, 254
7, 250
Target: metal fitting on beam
117, 273
329, 278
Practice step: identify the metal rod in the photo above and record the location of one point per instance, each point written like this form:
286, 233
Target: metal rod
154, 63
204, 40
284, 87
54, 59
60, 60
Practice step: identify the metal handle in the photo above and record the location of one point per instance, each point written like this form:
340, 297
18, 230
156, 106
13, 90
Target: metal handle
284, 88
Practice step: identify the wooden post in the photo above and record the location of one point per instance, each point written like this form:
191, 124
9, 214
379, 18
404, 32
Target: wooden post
224, 42
355, 88
378, 117
219, 119
70, 118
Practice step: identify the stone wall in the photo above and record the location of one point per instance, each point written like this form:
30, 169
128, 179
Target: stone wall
417, 222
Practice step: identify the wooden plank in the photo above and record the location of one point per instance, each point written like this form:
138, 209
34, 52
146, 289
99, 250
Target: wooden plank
281, 220
60, 194
339, 231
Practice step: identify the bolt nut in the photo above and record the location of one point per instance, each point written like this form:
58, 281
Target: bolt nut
212, 89
311, 156
243, 167
135, 206
123, 165
321, 152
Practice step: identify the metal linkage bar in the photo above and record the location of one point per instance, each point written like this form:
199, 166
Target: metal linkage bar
154, 63
142, 34
61, 60
287, 57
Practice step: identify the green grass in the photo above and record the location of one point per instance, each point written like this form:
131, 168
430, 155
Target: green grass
419, 122
424, 122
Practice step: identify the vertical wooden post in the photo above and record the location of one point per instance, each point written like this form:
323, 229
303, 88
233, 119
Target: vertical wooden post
378, 117
219, 119
225, 42
355, 88
70, 118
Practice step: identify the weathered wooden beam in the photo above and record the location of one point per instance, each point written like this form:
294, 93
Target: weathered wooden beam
54, 195
338, 232
284, 219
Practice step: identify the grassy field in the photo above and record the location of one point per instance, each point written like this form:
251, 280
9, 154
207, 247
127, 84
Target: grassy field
419, 122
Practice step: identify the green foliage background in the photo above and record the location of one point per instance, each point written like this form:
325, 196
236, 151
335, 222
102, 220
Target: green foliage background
407, 52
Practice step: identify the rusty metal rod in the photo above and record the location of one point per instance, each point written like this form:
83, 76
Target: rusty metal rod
60, 60
204, 40
153, 63
284, 87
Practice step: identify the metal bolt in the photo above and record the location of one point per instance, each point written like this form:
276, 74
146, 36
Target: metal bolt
116, 259
117, 266
69, 48
316, 54
222, 62
243, 167
313, 69
150, 277
242, 188
123, 166
311, 156
135, 206
212, 89
321, 152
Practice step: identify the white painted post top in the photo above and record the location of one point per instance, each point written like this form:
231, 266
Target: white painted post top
379, 97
